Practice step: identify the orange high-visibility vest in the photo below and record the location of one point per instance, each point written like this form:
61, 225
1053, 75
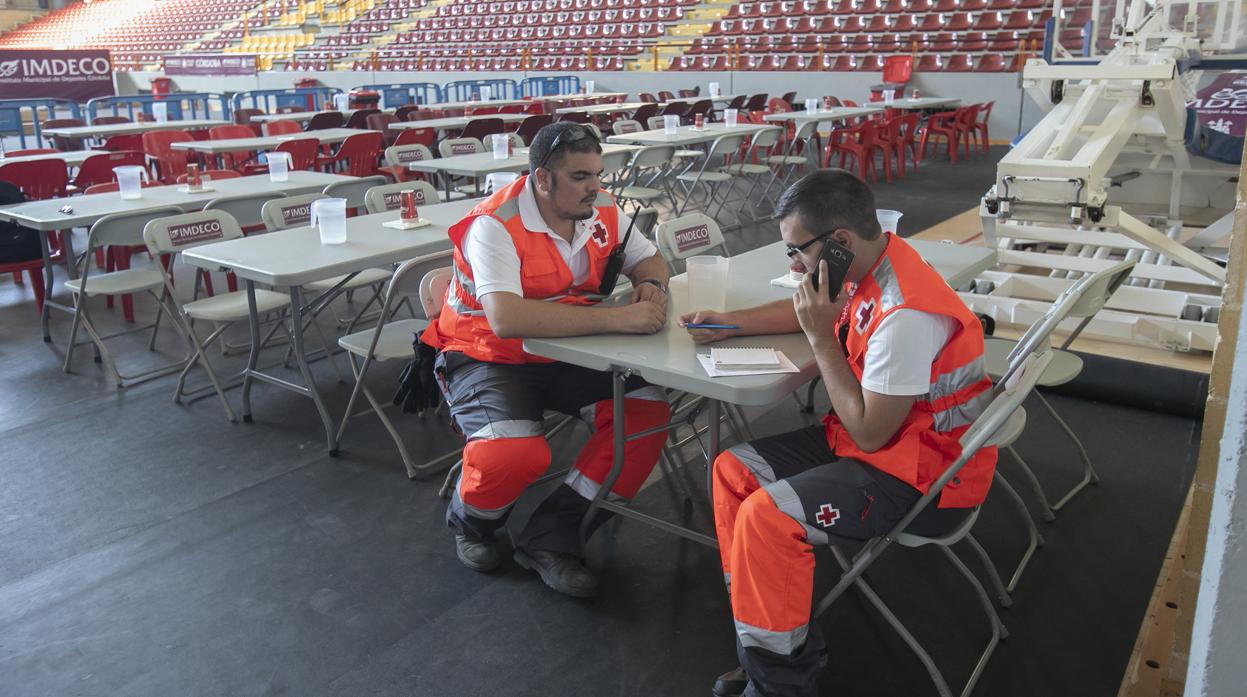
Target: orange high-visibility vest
927, 441
462, 325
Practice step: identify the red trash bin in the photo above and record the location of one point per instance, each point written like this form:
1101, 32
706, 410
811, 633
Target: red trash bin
161, 86
307, 82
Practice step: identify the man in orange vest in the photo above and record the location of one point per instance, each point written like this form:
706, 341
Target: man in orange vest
901, 358
529, 261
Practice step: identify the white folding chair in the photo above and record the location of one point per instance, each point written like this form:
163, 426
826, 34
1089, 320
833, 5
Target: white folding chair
623, 127
1081, 301
403, 155
614, 165
789, 162
246, 209
119, 230
388, 197
689, 235
392, 339
652, 164
711, 176
175, 234
981, 433
760, 148
353, 190
288, 212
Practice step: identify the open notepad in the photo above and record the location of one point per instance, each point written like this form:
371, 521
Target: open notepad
776, 362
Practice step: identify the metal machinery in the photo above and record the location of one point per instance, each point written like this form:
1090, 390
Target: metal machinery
1105, 175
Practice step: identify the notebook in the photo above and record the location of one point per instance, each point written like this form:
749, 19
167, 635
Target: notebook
757, 358
785, 366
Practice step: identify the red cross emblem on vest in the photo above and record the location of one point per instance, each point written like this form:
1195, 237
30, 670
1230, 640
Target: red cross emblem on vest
827, 516
864, 312
600, 235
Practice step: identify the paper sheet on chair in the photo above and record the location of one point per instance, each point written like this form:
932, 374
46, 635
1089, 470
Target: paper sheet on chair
785, 366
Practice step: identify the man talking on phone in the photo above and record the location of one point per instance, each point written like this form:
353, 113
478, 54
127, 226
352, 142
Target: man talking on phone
532, 260
901, 358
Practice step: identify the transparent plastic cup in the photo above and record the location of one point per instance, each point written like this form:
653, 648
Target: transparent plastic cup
160, 112
888, 96
502, 146
707, 283
713, 89
279, 166
341, 102
811, 105
730, 116
589, 86
670, 124
486, 94
888, 219
329, 216
130, 181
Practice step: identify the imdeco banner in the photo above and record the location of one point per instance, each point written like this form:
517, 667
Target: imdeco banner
44, 74
204, 64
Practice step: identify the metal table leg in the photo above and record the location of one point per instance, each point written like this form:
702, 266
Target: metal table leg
253, 320
296, 325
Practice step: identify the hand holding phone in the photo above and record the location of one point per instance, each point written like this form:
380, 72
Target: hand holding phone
838, 258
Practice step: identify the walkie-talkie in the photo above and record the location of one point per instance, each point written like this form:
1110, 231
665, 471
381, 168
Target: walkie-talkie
615, 262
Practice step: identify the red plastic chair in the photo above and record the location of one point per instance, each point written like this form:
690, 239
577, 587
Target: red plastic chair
859, 142
32, 151
325, 119
358, 153
109, 120
480, 128
965, 126
38, 180
281, 128
239, 158
417, 136
132, 141
941, 125
979, 126
169, 162
61, 142
897, 69
98, 169
529, 126
381, 122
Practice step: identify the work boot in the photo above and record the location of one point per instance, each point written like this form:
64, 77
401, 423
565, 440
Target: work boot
731, 684
477, 555
562, 572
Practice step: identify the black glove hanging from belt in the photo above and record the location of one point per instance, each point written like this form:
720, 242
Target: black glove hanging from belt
417, 386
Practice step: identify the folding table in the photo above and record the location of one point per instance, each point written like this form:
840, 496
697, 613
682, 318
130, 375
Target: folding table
669, 358
121, 129
71, 158
47, 215
295, 257
478, 165
327, 136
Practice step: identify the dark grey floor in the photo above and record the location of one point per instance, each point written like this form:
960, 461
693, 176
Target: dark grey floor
154, 549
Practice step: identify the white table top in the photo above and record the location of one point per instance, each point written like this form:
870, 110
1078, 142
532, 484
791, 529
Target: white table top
920, 103
296, 257
669, 358
72, 158
832, 114
580, 96
120, 129
472, 104
325, 135
721, 99
456, 121
685, 135
482, 163
46, 215
602, 108
304, 115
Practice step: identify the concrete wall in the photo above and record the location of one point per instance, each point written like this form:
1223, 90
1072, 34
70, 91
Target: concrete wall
969, 87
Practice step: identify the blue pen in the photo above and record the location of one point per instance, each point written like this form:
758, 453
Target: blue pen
694, 325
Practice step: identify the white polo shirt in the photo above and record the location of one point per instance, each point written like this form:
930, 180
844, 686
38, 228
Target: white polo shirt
495, 263
900, 353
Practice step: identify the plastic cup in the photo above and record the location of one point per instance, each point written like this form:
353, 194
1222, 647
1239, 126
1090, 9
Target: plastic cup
160, 112
888, 219
589, 86
341, 102
278, 166
707, 283
670, 124
811, 105
130, 181
713, 89
497, 180
888, 96
329, 216
730, 116
486, 94
502, 146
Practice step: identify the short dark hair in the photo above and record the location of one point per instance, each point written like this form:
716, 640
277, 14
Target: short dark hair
543, 150
828, 199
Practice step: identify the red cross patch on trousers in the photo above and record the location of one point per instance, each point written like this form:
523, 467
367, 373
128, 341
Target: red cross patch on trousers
864, 313
827, 516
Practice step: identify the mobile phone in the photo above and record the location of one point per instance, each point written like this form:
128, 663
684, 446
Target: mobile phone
838, 258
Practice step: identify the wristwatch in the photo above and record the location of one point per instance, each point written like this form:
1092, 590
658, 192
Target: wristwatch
656, 283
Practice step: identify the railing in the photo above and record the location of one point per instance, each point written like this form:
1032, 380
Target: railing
542, 86
401, 94
12, 112
464, 90
272, 101
179, 105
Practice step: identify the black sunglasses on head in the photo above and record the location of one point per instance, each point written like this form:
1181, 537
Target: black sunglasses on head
568, 135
